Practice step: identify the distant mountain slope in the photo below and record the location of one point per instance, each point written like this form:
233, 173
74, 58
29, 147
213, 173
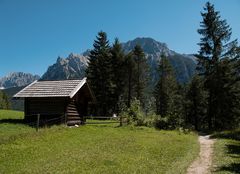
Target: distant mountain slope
184, 65
17, 79
73, 67
15, 104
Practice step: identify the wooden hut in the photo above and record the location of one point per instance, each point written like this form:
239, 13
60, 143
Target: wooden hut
57, 101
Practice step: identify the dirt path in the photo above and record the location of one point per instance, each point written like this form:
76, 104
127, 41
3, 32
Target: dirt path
202, 164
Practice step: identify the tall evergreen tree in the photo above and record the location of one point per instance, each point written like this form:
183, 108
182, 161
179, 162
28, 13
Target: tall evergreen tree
215, 61
166, 88
196, 103
99, 74
119, 74
142, 71
130, 66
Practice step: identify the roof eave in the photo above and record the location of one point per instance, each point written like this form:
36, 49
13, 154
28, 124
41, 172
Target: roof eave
78, 87
16, 95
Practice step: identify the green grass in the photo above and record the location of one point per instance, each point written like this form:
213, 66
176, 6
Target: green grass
11, 127
227, 153
96, 149
9, 114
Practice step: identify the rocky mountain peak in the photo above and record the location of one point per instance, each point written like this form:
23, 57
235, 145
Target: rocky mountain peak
16, 79
149, 46
184, 65
71, 67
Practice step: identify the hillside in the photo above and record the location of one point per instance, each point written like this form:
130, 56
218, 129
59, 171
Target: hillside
15, 104
184, 65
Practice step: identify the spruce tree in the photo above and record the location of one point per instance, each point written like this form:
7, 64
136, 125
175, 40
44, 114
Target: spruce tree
142, 71
130, 66
216, 60
119, 74
196, 103
99, 74
166, 88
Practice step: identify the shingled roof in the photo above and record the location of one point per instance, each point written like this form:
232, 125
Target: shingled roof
61, 88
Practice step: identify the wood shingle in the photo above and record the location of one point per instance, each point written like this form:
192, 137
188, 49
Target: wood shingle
61, 88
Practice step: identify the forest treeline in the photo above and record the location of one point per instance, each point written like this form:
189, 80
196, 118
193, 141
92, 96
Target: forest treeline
211, 100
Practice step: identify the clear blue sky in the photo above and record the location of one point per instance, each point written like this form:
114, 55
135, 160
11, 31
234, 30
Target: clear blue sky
33, 33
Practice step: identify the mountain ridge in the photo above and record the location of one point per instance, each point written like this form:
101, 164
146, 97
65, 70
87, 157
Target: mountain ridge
183, 64
74, 65
16, 79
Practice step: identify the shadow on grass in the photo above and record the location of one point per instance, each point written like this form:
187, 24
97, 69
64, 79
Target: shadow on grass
42, 123
12, 121
234, 135
233, 150
233, 168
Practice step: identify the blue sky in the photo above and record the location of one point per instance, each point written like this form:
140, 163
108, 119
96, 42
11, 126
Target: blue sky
33, 33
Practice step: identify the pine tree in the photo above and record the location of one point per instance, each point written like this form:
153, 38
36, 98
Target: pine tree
119, 74
166, 88
142, 71
130, 66
215, 62
196, 103
99, 74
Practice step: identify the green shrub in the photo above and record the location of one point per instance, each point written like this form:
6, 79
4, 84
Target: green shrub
136, 117
134, 114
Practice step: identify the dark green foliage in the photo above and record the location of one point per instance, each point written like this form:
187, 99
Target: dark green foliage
165, 89
196, 103
134, 114
218, 63
119, 74
4, 101
136, 76
15, 104
130, 65
114, 77
184, 65
142, 73
99, 74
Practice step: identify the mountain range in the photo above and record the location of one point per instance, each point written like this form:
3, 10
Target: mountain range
74, 66
16, 79
184, 65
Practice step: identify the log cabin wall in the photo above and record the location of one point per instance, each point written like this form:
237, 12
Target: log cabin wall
48, 108
67, 99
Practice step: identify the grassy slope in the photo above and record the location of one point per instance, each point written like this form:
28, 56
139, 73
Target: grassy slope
96, 149
227, 153
11, 127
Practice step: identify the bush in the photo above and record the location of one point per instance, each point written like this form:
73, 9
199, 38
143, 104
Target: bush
161, 123
136, 117
169, 122
134, 114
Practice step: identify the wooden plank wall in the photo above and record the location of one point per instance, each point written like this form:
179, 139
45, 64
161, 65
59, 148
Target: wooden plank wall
45, 106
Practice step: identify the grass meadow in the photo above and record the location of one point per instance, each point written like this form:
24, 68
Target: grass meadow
104, 148
226, 159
